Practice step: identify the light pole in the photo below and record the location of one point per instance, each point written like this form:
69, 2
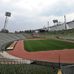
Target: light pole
7, 14
59, 70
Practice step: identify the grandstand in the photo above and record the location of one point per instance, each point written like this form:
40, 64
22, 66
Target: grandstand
61, 26
63, 34
6, 38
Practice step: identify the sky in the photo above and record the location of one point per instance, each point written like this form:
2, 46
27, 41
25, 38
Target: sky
34, 14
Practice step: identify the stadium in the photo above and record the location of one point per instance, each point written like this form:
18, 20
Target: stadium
42, 52
38, 39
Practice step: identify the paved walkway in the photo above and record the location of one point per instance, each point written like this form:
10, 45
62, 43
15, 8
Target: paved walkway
66, 56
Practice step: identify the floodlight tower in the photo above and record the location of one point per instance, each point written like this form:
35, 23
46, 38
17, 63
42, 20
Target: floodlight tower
55, 21
7, 14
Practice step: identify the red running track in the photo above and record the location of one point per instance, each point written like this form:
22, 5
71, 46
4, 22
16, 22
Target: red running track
66, 56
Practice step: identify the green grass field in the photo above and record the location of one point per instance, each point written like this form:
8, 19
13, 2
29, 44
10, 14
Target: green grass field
44, 45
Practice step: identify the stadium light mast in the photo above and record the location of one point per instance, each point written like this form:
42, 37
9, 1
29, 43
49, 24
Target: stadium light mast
65, 22
7, 14
55, 21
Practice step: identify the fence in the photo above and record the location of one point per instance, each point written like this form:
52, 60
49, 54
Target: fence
14, 61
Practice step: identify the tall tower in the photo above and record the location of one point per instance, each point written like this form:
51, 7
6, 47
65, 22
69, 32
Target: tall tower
7, 14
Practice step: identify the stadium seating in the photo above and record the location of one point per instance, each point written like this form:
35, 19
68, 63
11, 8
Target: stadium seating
5, 38
65, 34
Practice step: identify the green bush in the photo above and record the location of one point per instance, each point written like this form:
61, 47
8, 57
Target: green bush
23, 69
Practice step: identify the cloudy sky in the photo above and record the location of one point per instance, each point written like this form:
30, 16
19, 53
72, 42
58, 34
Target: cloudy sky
34, 14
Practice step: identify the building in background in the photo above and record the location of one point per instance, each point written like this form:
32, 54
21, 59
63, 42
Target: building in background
61, 26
